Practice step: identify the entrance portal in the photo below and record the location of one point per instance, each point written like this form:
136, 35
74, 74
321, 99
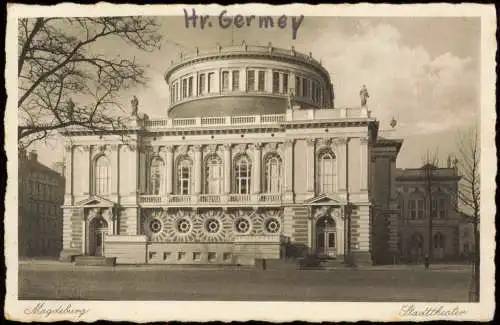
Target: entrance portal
98, 228
326, 237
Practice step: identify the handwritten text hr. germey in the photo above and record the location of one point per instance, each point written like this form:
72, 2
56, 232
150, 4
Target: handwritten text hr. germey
239, 21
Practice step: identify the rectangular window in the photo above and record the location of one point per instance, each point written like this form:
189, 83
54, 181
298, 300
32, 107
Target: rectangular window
276, 82
166, 256
184, 88
442, 208
421, 208
331, 240
211, 82
211, 256
305, 87
251, 80
190, 87
196, 256
262, 80
284, 89
236, 80
298, 87
201, 84
412, 209
181, 255
226, 257
225, 80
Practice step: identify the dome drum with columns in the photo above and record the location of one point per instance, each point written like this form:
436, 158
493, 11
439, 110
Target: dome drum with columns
253, 161
245, 80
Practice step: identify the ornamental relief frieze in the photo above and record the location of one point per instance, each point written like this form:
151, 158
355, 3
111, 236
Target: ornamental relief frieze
208, 226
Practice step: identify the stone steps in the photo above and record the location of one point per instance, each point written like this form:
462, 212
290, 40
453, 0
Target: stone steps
94, 260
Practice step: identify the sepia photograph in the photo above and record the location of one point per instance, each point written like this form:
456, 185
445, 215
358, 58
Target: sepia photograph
250, 154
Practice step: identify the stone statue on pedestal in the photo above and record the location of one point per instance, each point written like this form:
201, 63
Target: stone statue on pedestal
135, 106
363, 94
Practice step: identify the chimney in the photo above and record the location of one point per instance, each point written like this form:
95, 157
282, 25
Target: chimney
33, 156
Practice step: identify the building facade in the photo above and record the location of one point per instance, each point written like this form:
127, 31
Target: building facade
424, 214
251, 158
40, 197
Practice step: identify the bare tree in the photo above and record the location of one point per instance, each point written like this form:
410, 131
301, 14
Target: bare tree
469, 193
431, 163
64, 81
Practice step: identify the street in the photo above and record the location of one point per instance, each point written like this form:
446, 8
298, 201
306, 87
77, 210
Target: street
377, 284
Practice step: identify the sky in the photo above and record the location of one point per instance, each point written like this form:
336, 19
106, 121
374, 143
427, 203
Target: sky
422, 71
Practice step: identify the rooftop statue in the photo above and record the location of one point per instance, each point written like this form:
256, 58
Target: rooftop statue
135, 106
363, 94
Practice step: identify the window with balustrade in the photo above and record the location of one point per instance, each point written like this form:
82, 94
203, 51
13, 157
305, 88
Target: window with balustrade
214, 174
272, 174
242, 174
326, 172
156, 176
184, 173
102, 176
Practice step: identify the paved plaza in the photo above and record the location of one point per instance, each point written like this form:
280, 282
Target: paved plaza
53, 280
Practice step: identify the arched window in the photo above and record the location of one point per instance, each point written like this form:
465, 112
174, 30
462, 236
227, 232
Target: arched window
214, 175
156, 176
184, 172
102, 175
326, 173
272, 174
242, 174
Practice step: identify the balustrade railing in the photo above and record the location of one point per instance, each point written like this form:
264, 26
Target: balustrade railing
211, 198
239, 198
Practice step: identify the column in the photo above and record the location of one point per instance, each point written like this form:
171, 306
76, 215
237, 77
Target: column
256, 172
342, 164
363, 160
142, 169
84, 232
227, 168
197, 169
169, 164
115, 169
310, 157
163, 156
85, 173
133, 169
288, 163
68, 174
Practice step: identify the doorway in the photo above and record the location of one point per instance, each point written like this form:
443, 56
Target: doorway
98, 229
326, 237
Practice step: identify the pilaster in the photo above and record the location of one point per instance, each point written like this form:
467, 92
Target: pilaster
227, 169
342, 164
256, 173
310, 157
86, 170
169, 165
68, 174
363, 160
197, 169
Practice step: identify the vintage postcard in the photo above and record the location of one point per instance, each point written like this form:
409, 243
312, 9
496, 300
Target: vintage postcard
250, 162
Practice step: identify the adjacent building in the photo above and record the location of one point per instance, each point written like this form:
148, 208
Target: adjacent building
428, 214
40, 197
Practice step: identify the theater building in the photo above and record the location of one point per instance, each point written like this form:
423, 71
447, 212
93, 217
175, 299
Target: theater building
252, 160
